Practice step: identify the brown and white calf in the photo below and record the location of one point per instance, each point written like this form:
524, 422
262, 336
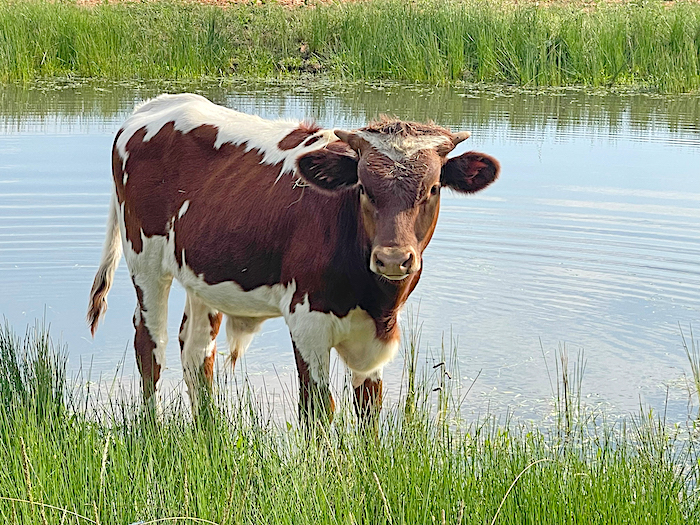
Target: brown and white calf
260, 219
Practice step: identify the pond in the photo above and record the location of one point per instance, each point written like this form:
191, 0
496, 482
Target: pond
589, 240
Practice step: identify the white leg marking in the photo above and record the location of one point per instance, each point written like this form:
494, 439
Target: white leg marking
155, 311
153, 281
312, 333
197, 344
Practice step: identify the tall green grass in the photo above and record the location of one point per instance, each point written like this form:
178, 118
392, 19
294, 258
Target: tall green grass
81, 461
644, 43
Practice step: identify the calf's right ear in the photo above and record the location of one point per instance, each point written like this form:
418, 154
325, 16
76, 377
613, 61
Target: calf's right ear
470, 172
328, 169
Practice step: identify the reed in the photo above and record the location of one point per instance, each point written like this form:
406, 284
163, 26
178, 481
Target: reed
647, 43
106, 461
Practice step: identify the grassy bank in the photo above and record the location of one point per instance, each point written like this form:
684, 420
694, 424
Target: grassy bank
646, 43
65, 456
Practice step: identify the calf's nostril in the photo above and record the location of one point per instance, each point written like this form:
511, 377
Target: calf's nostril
408, 262
378, 261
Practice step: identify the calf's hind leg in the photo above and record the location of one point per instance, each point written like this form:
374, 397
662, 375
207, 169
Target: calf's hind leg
198, 331
150, 321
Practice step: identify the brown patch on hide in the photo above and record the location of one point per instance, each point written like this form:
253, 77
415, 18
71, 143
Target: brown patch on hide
233, 357
144, 345
311, 140
215, 323
208, 363
304, 379
117, 169
153, 171
208, 366
139, 295
299, 135
292, 140
148, 367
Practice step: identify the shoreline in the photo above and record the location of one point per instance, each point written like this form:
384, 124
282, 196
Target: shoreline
66, 450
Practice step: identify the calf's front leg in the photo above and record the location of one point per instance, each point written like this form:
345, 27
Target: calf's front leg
315, 400
368, 395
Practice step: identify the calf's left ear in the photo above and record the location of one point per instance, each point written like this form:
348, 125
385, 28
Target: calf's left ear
470, 172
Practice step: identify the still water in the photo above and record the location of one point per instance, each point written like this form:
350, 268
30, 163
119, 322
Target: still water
590, 239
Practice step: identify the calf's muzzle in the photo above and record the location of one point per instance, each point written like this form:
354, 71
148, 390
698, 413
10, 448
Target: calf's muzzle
394, 263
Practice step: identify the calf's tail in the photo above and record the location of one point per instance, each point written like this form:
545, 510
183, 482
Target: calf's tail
111, 254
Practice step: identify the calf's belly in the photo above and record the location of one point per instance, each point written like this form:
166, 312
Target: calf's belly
231, 299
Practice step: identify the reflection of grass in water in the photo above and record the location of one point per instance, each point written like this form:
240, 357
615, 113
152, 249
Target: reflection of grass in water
238, 466
647, 42
533, 110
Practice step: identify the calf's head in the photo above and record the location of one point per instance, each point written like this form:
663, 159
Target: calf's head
397, 170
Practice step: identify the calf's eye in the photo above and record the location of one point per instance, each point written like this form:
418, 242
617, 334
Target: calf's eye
435, 190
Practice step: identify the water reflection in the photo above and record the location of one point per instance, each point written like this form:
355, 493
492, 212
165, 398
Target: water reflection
561, 111
590, 238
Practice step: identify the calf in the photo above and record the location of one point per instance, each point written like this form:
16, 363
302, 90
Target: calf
260, 219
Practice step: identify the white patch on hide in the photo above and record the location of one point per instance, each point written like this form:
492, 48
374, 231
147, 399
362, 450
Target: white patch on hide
183, 209
312, 333
357, 343
353, 336
188, 111
147, 271
229, 298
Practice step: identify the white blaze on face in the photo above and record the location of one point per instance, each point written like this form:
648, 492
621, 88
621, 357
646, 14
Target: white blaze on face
398, 147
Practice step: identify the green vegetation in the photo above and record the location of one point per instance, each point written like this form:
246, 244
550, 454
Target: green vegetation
66, 454
645, 43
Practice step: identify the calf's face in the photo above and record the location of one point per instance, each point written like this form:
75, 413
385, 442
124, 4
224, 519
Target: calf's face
398, 178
